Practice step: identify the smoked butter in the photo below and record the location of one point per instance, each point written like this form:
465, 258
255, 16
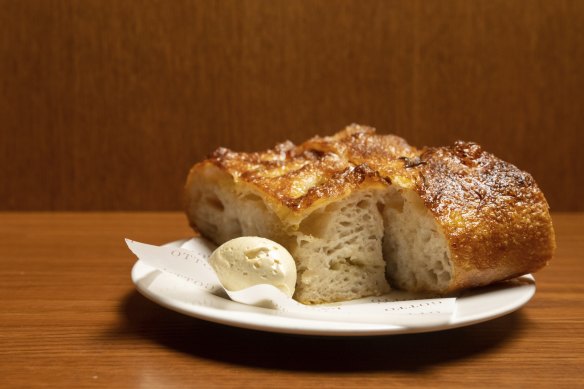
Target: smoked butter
247, 261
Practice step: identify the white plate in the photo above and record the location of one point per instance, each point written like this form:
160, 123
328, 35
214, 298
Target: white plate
472, 307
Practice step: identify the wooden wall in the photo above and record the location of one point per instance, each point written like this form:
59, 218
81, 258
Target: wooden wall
104, 105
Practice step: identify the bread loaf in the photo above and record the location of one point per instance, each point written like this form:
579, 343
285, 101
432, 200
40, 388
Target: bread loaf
361, 212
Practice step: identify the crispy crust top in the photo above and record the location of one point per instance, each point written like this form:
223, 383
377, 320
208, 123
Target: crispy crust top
457, 180
297, 178
490, 210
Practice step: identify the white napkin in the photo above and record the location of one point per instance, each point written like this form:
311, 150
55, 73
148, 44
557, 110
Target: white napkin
190, 263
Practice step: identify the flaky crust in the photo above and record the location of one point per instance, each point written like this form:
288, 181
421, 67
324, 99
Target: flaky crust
494, 217
294, 180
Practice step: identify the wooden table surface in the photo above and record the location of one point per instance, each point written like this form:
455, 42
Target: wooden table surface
71, 317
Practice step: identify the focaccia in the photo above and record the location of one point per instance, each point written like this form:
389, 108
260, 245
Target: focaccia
361, 212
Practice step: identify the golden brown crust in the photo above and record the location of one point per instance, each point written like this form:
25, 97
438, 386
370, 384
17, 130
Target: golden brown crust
494, 217
294, 179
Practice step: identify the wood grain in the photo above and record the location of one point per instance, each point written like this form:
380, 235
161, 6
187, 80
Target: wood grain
70, 318
104, 105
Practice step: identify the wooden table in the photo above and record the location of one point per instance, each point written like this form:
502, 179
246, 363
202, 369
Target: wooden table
70, 317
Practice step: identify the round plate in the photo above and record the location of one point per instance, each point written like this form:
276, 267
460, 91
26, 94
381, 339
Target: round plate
473, 306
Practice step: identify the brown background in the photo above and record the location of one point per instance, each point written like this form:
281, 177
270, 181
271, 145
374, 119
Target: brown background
104, 105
